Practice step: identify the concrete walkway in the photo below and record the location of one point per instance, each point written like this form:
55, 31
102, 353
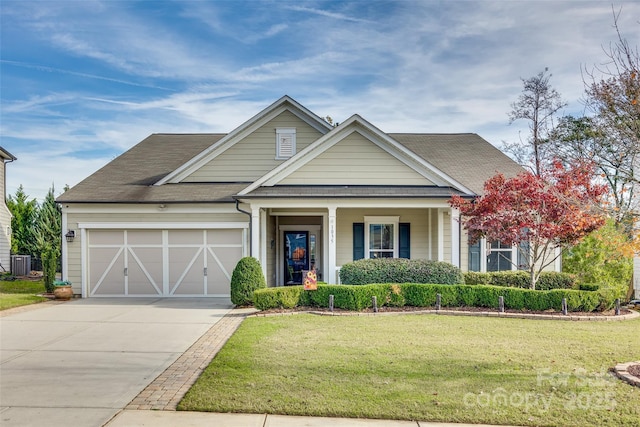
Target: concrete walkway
80, 363
201, 419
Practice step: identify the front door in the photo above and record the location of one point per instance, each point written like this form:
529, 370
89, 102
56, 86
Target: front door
296, 256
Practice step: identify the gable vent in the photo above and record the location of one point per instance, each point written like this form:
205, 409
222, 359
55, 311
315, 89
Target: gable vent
285, 143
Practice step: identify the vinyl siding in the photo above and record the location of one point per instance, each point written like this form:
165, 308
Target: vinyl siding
255, 155
5, 225
419, 230
355, 161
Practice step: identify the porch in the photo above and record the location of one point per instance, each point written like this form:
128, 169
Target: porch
290, 236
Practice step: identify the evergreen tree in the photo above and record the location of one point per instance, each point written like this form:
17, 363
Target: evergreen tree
24, 211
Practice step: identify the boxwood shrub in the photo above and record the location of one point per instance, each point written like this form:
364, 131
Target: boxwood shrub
399, 270
520, 279
246, 278
356, 298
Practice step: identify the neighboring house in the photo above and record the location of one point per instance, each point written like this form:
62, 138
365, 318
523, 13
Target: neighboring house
174, 214
5, 215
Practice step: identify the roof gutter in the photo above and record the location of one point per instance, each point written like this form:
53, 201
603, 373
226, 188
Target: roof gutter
250, 226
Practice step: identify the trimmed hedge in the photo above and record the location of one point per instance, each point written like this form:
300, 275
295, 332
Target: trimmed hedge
358, 297
399, 270
246, 278
520, 279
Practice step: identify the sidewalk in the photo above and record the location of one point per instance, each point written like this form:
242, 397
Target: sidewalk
129, 418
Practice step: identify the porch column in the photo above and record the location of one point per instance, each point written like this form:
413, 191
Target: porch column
255, 232
441, 234
331, 262
455, 237
263, 242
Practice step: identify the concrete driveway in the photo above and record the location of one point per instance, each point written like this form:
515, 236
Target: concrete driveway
81, 362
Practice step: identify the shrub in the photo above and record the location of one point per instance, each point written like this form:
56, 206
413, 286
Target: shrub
588, 287
358, 297
246, 278
49, 264
521, 279
399, 270
555, 280
604, 257
284, 297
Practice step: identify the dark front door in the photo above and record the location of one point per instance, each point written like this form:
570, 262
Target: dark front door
296, 256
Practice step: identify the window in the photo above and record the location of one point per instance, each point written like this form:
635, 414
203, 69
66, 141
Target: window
381, 237
285, 143
499, 257
496, 256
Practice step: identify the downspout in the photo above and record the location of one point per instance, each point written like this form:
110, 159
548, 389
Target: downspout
250, 226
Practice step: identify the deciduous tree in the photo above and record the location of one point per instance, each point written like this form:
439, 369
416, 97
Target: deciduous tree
538, 104
537, 213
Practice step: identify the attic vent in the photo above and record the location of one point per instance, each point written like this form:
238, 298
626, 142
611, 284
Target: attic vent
285, 142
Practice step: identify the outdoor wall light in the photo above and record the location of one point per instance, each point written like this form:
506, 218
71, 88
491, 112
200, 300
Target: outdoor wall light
70, 236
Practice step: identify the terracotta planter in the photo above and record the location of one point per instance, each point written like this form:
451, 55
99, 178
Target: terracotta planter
63, 292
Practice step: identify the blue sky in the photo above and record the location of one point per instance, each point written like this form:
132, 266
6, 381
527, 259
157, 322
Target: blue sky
83, 81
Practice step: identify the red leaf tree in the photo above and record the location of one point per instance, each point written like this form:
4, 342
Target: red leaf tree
538, 214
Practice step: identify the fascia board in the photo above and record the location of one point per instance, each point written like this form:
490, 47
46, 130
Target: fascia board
242, 131
360, 203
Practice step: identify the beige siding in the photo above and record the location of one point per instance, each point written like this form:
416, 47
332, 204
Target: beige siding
464, 250
447, 237
5, 224
254, 156
355, 161
344, 227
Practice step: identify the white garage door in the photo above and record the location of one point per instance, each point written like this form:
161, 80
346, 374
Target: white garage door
162, 262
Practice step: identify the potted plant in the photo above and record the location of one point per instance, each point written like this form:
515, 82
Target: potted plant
62, 289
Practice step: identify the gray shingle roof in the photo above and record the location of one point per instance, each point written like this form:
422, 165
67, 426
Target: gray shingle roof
129, 178
466, 157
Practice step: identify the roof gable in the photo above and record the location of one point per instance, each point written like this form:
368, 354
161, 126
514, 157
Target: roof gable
356, 124
284, 104
355, 160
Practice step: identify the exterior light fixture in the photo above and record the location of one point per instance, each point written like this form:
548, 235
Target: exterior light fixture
70, 236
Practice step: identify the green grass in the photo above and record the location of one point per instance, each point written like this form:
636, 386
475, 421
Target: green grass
20, 292
428, 367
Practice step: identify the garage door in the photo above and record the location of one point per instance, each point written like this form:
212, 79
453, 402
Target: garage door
162, 262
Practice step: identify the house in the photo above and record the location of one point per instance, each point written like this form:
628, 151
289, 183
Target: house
5, 214
174, 214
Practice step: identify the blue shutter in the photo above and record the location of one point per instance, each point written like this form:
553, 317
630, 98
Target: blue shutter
404, 251
358, 240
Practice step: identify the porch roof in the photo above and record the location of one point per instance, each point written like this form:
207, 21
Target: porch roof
350, 191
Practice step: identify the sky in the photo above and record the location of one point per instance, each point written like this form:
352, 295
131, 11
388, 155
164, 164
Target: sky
83, 81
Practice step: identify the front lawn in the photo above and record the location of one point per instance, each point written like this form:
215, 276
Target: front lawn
20, 292
425, 367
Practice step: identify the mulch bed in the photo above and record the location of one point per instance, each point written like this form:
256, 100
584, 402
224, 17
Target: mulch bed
634, 370
406, 309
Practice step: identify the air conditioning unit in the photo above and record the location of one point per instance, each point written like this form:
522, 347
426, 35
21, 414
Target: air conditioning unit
20, 265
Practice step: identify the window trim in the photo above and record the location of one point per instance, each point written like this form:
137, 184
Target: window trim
280, 134
381, 220
485, 249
